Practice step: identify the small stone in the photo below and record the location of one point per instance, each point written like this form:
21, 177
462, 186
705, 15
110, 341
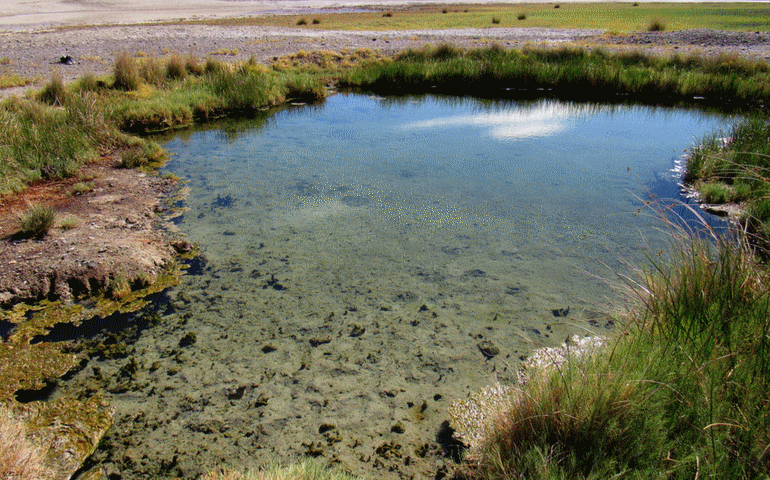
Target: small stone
316, 341
182, 246
357, 331
398, 428
488, 349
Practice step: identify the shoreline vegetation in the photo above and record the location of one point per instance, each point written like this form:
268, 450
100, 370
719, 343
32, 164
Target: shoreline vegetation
680, 391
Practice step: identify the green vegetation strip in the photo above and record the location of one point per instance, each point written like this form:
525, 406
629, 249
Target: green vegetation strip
615, 16
571, 73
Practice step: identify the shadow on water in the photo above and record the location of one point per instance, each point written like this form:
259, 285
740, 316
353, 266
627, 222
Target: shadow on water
6, 329
666, 194
36, 395
159, 303
452, 447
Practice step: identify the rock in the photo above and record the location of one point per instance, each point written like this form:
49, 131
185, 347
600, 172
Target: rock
560, 312
357, 331
316, 341
488, 349
182, 246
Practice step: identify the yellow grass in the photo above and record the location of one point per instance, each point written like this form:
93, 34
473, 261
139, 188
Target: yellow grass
20, 457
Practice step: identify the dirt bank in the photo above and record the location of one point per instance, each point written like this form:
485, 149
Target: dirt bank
113, 234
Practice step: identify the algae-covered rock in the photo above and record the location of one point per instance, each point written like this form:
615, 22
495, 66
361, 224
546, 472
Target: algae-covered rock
27, 367
70, 428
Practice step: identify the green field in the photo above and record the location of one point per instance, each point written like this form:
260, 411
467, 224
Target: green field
618, 17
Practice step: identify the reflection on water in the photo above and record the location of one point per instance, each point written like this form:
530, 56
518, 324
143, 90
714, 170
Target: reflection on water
362, 259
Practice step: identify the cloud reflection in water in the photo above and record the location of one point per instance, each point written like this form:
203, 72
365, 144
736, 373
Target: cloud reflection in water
539, 120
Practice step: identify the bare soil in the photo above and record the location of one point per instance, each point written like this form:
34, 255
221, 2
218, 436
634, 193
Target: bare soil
117, 235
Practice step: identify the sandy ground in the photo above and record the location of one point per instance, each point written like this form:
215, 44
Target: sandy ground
31, 42
18, 15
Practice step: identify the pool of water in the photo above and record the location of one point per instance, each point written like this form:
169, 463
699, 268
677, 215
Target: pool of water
368, 260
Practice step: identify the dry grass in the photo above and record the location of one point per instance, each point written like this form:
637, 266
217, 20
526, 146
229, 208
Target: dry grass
307, 469
20, 456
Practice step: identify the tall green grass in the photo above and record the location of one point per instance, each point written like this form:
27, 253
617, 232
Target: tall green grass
681, 392
734, 167
570, 73
52, 136
37, 141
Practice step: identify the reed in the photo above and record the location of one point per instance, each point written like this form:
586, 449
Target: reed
126, 72
571, 73
54, 92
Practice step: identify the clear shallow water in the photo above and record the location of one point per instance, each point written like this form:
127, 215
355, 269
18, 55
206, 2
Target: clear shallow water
364, 259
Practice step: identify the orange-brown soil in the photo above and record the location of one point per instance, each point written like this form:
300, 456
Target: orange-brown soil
116, 237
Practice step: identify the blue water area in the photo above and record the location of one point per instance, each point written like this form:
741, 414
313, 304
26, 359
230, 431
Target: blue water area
368, 260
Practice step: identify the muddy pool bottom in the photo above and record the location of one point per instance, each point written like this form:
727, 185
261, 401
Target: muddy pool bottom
367, 261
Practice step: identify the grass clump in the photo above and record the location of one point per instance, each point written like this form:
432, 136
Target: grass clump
715, 193
680, 392
81, 188
54, 92
70, 222
152, 71
119, 287
656, 25
90, 83
176, 67
13, 80
126, 73
734, 168
307, 469
37, 221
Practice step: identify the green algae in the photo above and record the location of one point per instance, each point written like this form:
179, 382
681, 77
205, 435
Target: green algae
72, 427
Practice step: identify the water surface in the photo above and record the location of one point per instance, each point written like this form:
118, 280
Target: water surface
366, 261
